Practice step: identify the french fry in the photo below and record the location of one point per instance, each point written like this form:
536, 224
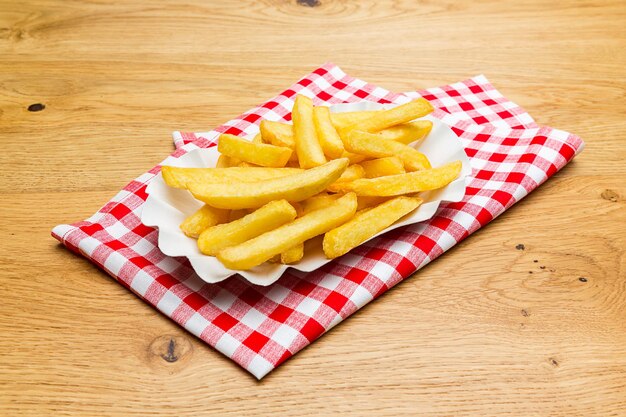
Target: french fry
295, 187
353, 172
247, 165
254, 153
299, 209
258, 138
274, 259
344, 119
262, 248
412, 182
390, 165
370, 144
310, 153
202, 219
364, 202
366, 224
277, 133
238, 214
178, 177
318, 201
407, 132
386, 118
222, 162
268, 217
326, 133
293, 255
354, 158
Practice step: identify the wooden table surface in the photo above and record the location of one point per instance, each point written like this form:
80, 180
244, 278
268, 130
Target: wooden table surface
488, 329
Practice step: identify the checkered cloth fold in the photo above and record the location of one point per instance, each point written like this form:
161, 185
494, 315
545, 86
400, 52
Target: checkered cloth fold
261, 327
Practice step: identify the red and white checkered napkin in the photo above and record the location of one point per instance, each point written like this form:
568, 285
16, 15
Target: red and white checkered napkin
260, 327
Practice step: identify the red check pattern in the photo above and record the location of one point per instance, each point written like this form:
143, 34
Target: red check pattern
261, 327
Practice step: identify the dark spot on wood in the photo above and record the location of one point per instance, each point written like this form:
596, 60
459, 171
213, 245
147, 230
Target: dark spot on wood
610, 195
520, 247
36, 107
530, 272
582, 279
553, 270
171, 351
542, 267
309, 3
525, 313
535, 260
14, 34
554, 362
171, 356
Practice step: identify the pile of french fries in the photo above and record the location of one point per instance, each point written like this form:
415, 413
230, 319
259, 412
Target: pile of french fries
346, 176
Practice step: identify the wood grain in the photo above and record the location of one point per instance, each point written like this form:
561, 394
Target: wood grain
489, 329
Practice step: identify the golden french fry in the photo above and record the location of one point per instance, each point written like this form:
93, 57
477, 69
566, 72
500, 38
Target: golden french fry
222, 162
178, 177
310, 153
299, 209
295, 187
344, 119
412, 182
371, 145
262, 248
318, 201
353, 172
255, 153
247, 165
274, 259
237, 214
202, 219
390, 165
364, 202
407, 132
225, 162
280, 134
293, 255
354, 158
386, 118
268, 217
326, 133
258, 138
366, 224
277, 133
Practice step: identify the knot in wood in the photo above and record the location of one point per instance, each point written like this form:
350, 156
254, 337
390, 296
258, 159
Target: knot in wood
170, 349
